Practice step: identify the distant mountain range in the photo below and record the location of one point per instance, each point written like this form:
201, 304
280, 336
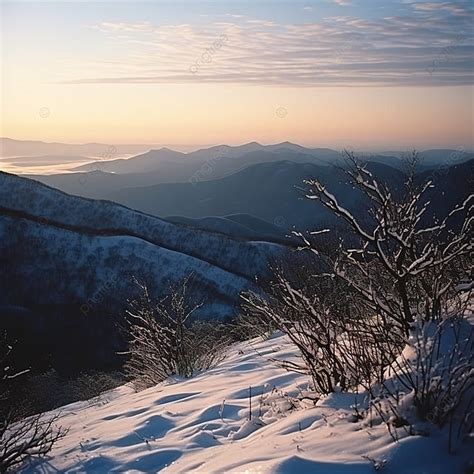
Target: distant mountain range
267, 191
101, 178
168, 165
202, 188
108, 179
220, 160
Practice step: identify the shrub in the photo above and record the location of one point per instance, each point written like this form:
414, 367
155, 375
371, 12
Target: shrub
252, 324
431, 380
373, 311
21, 438
164, 342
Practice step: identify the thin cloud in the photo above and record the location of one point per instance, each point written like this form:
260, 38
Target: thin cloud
433, 46
455, 9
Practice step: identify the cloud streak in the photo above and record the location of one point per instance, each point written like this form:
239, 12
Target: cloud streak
335, 51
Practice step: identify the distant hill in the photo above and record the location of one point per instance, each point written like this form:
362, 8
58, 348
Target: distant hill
100, 179
238, 225
171, 166
10, 147
214, 162
436, 157
149, 161
267, 191
219, 161
273, 193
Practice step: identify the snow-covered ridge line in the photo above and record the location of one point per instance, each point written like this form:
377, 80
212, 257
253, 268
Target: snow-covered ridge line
91, 231
238, 256
49, 265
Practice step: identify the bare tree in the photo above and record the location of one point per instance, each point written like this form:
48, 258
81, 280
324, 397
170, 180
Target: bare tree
402, 268
26, 439
373, 312
22, 439
315, 312
162, 340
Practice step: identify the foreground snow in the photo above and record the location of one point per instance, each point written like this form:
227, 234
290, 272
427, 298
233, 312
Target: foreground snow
202, 425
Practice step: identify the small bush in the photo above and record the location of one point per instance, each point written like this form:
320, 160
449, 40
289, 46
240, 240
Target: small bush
316, 314
431, 380
377, 309
250, 325
21, 438
27, 439
164, 342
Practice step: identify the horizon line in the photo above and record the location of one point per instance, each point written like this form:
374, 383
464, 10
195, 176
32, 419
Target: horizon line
196, 147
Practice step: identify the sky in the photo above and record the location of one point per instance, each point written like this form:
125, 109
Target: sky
339, 73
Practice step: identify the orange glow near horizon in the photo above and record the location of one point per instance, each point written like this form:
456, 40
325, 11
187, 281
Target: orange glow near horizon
190, 115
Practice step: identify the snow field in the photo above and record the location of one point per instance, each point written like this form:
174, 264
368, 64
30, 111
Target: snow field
202, 425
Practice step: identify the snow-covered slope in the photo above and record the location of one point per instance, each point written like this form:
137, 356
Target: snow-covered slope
59, 266
238, 256
202, 425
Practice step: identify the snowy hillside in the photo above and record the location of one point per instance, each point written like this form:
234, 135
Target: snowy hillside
202, 425
238, 256
74, 267
71, 248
